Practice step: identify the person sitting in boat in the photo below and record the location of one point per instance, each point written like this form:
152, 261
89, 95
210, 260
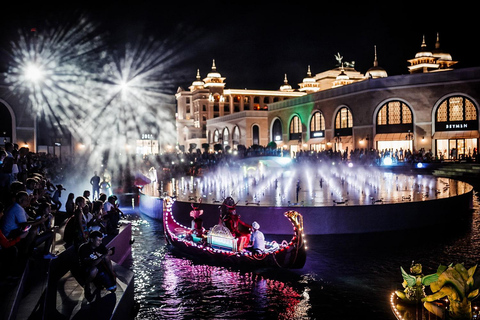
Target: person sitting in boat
197, 223
257, 239
232, 221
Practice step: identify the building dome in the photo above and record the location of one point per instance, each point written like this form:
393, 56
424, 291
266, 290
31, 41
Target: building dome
214, 73
309, 78
438, 53
342, 75
423, 51
309, 84
214, 78
198, 83
286, 87
376, 71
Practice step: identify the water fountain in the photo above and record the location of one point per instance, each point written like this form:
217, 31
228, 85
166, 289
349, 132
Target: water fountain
332, 197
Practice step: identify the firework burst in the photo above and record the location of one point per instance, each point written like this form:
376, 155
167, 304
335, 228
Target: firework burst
106, 98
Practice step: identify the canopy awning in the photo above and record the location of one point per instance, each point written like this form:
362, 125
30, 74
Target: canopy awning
464, 134
398, 136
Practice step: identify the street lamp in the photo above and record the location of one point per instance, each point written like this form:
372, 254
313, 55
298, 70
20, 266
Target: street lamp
409, 137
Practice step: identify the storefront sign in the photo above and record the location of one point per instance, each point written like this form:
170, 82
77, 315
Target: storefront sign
453, 126
317, 134
456, 126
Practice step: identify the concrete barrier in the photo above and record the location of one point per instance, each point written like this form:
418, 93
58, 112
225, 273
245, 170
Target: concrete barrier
339, 219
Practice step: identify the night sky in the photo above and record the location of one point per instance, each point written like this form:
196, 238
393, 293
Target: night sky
254, 45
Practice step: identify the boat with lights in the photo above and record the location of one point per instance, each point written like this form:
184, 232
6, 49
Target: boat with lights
219, 246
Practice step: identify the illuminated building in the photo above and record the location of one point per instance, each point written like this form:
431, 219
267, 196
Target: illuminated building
345, 110
207, 101
431, 61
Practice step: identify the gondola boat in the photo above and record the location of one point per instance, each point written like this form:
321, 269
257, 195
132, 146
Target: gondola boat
218, 246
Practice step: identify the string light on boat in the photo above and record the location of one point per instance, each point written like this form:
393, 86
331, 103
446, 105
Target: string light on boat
394, 307
179, 235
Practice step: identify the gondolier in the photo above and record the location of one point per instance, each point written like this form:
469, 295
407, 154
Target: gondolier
221, 247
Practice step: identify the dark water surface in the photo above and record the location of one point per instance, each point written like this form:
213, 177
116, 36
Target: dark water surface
345, 277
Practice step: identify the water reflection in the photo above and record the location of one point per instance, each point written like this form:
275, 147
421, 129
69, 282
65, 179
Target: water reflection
170, 287
346, 276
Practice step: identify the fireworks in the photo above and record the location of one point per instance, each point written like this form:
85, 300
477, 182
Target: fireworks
107, 98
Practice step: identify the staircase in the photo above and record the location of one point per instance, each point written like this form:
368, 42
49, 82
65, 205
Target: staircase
460, 171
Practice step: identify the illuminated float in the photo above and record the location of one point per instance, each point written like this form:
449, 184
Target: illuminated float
220, 246
451, 291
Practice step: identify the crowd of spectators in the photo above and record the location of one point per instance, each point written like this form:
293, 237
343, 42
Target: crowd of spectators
196, 163
30, 210
30, 206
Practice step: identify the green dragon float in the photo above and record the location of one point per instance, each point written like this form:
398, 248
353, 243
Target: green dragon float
452, 287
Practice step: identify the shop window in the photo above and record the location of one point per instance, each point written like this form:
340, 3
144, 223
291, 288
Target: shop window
456, 113
317, 125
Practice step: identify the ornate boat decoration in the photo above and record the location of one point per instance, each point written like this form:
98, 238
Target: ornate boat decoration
219, 246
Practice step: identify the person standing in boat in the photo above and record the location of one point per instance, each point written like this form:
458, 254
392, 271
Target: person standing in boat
197, 222
232, 221
257, 238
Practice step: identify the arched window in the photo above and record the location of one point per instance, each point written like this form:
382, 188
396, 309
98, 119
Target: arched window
277, 134
255, 134
343, 119
394, 116
295, 128
235, 136
225, 136
456, 113
343, 122
216, 136
317, 125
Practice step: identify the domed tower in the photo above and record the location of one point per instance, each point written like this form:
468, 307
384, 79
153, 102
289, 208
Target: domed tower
309, 83
286, 87
424, 60
214, 81
198, 84
376, 71
444, 59
342, 79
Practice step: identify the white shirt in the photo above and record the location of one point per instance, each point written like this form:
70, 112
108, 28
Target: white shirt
258, 240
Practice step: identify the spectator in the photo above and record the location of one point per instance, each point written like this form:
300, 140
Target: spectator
70, 204
112, 214
15, 222
95, 182
86, 195
95, 263
43, 233
57, 194
80, 222
5, 242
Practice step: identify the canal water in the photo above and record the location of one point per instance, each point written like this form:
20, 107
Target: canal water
345, 276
